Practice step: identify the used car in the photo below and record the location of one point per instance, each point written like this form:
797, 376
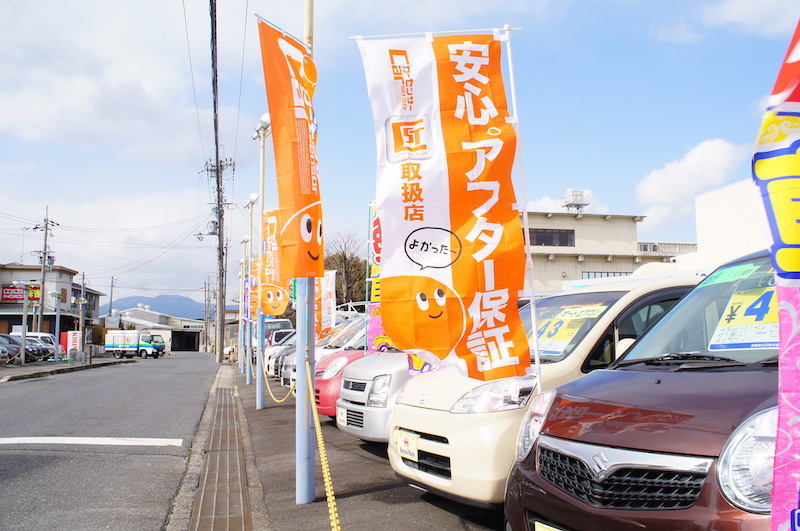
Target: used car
455, 436
679, 433
368, 393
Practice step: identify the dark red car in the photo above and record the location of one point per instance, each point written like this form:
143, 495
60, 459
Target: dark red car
677, 434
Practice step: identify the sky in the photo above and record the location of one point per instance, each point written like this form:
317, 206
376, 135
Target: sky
106, 121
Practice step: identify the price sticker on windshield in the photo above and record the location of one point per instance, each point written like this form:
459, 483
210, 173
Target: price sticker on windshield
750, 321
561, 326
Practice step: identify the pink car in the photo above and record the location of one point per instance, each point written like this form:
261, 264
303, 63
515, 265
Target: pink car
328, 379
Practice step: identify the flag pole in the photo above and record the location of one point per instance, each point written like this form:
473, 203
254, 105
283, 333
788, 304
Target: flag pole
305, 441
531, 292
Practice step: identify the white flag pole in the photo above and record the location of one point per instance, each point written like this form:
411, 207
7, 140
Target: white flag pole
530, 291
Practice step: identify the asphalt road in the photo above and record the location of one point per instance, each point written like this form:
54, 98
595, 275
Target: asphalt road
100, 449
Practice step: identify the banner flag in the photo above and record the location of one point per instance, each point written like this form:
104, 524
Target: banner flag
273, 288
452, 258
776, 170
290, 78
325, 294
255, 275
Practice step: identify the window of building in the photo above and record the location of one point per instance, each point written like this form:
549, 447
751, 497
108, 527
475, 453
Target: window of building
603, 274
555, 237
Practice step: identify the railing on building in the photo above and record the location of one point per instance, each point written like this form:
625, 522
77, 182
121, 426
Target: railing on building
666, 248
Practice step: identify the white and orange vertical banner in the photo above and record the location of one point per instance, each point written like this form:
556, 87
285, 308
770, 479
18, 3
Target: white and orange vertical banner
452, 259
325, 303
291, 77
776, 170
273, 287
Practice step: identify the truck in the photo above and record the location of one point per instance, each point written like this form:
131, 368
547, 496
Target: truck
130, 343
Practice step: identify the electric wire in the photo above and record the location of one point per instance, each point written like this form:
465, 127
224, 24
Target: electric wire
194, 89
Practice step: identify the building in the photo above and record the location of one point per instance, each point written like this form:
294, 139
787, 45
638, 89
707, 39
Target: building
179, 334
62, 298
574, 246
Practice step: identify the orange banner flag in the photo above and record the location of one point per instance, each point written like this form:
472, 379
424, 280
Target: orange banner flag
290, 77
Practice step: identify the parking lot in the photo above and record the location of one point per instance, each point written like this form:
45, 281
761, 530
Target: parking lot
368, 494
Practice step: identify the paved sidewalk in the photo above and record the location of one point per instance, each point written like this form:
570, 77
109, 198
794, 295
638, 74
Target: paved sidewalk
368, 494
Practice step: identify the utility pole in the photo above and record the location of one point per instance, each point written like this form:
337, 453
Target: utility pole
46, 265
218, 168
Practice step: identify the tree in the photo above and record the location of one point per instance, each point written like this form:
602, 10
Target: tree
345, 254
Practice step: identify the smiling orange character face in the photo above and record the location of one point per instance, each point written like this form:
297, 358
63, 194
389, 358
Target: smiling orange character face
302, 244
420, 313
274, 299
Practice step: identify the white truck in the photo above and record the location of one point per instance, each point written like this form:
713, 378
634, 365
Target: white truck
130, 343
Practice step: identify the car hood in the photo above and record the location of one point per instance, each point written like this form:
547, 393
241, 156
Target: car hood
691, 412
371, 366
439, 389
327, 360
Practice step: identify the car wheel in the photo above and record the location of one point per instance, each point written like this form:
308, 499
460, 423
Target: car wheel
118, 355
143, 353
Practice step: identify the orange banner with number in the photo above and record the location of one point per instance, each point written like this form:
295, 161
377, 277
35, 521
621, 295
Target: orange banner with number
290, 78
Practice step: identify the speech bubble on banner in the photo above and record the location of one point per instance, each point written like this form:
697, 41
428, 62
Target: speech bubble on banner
433, 247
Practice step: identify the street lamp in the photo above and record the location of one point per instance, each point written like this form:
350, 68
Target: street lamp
263, 130
249, 270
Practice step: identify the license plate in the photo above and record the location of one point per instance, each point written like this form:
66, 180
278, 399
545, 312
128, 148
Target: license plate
407, 445
341, 416
539, 526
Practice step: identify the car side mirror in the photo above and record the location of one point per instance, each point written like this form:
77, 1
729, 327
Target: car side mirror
624, 345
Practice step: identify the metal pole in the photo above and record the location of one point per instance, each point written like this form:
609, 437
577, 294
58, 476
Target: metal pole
44, 271
264, 130
24, 323
261, 383
306, 447
58, 325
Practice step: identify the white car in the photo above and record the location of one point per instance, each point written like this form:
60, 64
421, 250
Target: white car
370, 387
455, 436
352, 335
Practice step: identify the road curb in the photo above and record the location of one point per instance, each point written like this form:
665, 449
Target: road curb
61, 370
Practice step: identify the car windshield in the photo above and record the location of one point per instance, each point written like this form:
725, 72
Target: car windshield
564, 320
158, 340
341, 334
731, 317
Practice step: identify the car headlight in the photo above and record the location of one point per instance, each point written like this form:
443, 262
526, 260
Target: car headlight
334, 368
380, 391
745, 465
498, 395
533, 423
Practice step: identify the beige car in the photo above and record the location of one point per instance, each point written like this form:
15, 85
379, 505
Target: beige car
455, 436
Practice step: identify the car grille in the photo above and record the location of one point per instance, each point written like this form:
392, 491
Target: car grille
629, 486
351, 385
434, 464
355, 419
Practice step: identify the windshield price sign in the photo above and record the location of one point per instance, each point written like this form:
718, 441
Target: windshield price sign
556, 332
750, 321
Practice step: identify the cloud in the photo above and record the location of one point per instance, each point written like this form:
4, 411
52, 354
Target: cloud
680, 33
769, 18
667, 194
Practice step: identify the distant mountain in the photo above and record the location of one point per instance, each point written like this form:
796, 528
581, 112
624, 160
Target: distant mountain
174, 305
